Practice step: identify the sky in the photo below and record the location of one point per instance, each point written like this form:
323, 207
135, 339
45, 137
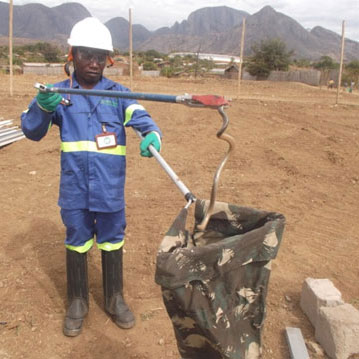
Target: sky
154, 14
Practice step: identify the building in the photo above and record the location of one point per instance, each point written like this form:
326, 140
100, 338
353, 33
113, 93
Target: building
231, 72
217, 58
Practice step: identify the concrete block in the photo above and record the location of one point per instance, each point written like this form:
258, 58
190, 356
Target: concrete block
337, 331
318, 293
296, 343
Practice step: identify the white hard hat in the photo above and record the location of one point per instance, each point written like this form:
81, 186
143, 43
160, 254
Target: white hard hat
90, 32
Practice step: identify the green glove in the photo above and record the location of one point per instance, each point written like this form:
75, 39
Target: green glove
48, 101
152, 138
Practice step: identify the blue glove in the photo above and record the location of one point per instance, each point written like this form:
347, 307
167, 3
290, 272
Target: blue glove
48, 101
152, 138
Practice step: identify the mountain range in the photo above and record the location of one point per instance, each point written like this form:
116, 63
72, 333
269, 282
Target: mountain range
207, 30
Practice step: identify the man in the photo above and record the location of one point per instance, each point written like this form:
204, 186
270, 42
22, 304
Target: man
93, 148
330, 84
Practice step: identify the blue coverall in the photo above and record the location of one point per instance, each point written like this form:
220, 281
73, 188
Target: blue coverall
92, 180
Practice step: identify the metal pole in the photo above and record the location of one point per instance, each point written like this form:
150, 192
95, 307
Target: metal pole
110, 93
341, 63
130, 42
10, 45
210, 101
170, 172
241, 56
197, 62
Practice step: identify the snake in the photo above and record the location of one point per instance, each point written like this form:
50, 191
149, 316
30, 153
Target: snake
200, 228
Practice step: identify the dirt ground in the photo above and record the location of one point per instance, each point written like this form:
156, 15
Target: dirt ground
297, 154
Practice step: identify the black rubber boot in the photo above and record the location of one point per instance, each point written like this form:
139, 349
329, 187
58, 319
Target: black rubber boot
112, 276
77, 292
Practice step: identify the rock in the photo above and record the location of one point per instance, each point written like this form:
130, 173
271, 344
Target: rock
315, 348
337, 331
317, 293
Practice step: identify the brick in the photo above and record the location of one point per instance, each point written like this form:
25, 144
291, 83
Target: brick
296, 343
337, 331
317, 293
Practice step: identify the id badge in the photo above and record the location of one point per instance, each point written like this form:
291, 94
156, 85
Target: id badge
106, 140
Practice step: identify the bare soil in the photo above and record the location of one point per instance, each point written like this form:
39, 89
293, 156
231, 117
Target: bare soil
297, 153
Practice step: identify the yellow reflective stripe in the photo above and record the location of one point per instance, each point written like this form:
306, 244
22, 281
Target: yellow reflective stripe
90, 146
130, 110
81, 249
50, 125
108, 247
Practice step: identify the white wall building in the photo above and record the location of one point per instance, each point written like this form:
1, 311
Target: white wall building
218, 58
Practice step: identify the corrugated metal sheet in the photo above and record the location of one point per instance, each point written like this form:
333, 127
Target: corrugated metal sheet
9, 133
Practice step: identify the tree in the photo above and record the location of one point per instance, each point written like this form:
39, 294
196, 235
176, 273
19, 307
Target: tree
38, 52
302, 63
352, 71
149, 66
269, 55
50, 52
325, 63
152, 54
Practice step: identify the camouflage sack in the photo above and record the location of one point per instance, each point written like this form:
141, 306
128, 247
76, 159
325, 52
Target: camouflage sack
215, 288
